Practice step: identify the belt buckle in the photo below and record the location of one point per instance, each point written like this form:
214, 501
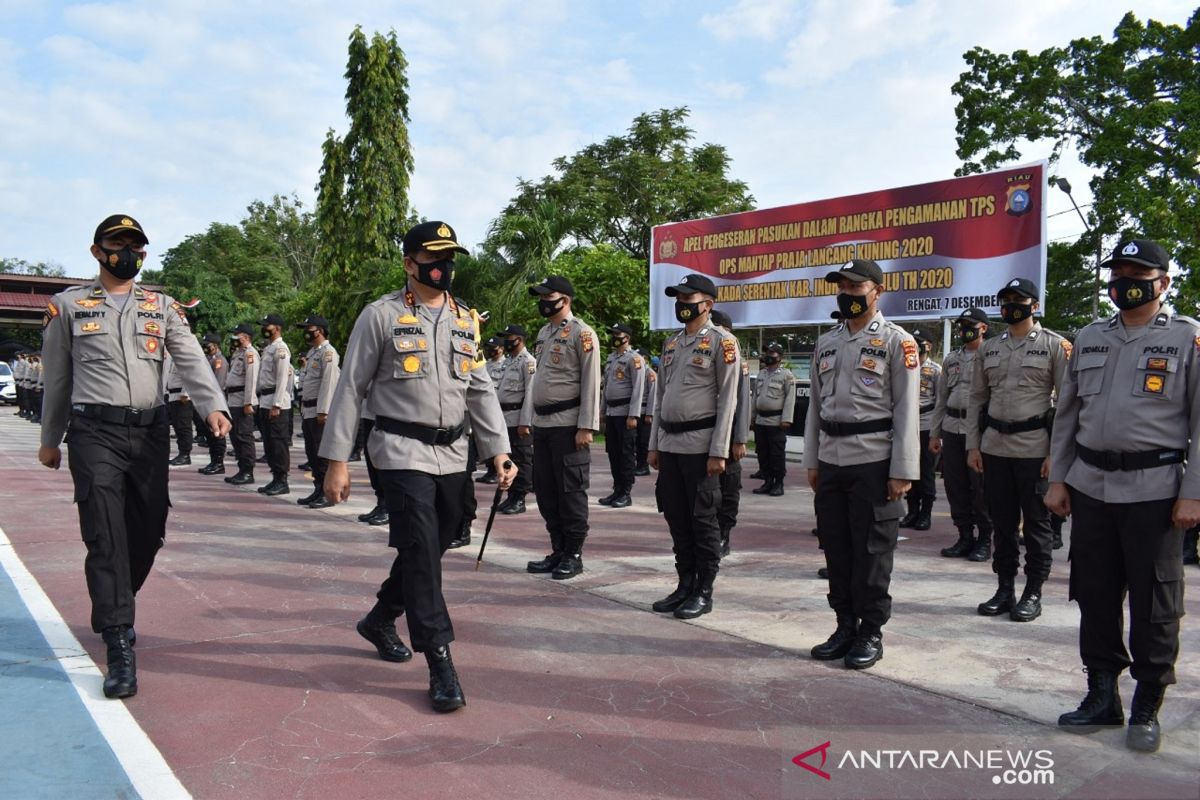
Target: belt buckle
133, 415
1112, 461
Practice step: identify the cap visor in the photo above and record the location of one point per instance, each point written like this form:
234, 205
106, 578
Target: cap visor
837, 275
119, 228
534, 291
1112, 262
438, 245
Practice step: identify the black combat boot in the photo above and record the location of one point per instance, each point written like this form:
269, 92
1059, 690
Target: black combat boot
444, 689
924, 515
547, 564
515, 504
181, 460
570, 565
913, 512
241, 479
379, 628
308, 498
682, 591
776, 489
839, 642
321, 502
121, 681
724, 541
608, 498
765, 488
758, 475
464, 536
983, 548
622, 500
1002, 600
1030, 606
1144, 734
367, 516
277, 487
214, 468
700, 601
963, 547
1101, 705
866, 650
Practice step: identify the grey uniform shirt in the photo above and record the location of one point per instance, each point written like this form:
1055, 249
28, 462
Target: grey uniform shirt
220, 368
321, 371
742, 414
954, 391
495, 366
624, 384
568, 366
275, 376
775, 390
515, 388
418, 365
650, 395
858, 377
96, 350
172, 380
1016, 379
1131, 391
931, 379
18, 370
39, 376
697, 378
241, 385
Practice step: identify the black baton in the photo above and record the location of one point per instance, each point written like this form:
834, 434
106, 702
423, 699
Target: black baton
491, 519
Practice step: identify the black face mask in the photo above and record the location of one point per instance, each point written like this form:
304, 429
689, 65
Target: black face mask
266, 332
511, 345
1015, 312
686, 312
617, 341
968, 333
771, 360
548, 308
852, 305
123, 263
310, 336
436, 274
1128, 293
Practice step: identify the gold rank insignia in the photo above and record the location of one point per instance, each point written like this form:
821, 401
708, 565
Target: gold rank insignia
149, 306
404, 344
90, 327
421, 344
52, 310
1156, 363
88, 302
443, 231
620, 374
406, 319
152, 345
465, 366
1153, 384
411, 364
705, 341
463, 324
152, 327
877, 343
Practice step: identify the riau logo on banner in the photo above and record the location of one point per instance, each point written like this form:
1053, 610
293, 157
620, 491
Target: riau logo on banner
1019, 201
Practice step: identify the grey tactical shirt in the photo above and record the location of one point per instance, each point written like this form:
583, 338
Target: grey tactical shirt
243, 373
624, 384
568, 366
931, 379
697, 378
275, 376
321, 371
954, 391
515, 386
775, 390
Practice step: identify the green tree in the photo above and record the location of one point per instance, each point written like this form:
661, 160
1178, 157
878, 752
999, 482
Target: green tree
1130, 107
20, 266
362, 194
1070, 276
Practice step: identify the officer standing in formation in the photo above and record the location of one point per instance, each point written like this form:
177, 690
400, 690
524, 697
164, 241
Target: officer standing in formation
1128, 419
861, 445
179, 412
30, 386
566, 412
275, 405
774, 407
321, 373
731, 478
920, 498
414, 356
493, 349
947, 437
104, 344
1016, 376
241, 392
690, 441
624, 386
220, 369
644, 421
19, 369
515, 392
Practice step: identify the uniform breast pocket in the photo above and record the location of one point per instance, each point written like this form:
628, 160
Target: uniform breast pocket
463, 351
92, 342
992, 371
868, 377
774, 390
1089, 374
825, 372
1156, 376
953, 376
668, 358
1035, 370
150, 346
412, 357
698, 371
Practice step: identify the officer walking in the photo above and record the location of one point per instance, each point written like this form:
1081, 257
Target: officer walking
731, 478
1127, 421
920, 498
241, 392
275, 405
515, 392
320, 378
947, 437
104, 344
179, 412
1008, 440
566, 412
220, 370
414, 355
690, 441
774, 407
861, 446
644, 421
624, 385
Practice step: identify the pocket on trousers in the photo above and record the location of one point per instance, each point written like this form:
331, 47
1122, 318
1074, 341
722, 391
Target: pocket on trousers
708, 497
885, 527
658, 496
1166, 597
577, 469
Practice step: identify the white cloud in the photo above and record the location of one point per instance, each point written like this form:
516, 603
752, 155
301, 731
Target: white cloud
751, 19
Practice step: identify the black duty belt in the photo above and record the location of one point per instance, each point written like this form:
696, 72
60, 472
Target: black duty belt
618, 402
957, 413
554, 408
776, 413
175, 391
512, 406
269, 390
690, 425
309, 403
928, 408
422, 433
1111, 461
232, 389
854, 428
119, 415
1021, 426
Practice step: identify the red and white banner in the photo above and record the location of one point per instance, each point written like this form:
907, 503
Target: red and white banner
943, 247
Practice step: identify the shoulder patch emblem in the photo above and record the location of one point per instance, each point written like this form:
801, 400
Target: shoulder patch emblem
249, 358
532, 368
910, 354
729, 350
586, 338
328, 356
52, 310
1067, 347
637, 362
281, 354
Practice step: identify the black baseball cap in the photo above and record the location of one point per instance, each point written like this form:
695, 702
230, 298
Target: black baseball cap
243, 328
621, 327
722, 319
313, 321
693, 283
551, 284
211, 338
973, 315
492, 341
1143, 252
1021, 286
117, 223
858, 270
514, 330
434, 236
835, 314
271, 319
921, 335
773, 347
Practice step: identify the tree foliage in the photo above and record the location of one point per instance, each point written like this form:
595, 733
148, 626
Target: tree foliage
1129, 106
1070, 282
19, 266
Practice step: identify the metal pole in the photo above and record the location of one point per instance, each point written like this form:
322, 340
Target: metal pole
1096, 286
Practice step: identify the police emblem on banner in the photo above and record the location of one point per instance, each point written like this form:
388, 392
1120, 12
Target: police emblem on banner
667, 248
1019, 202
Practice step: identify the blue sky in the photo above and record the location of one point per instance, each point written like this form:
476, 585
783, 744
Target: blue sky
182, 112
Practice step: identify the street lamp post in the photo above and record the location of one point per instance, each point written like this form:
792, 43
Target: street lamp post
1065, 185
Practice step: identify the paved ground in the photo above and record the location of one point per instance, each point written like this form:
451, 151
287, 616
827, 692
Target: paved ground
255, 684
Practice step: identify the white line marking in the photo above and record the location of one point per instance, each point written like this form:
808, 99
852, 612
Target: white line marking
143, 763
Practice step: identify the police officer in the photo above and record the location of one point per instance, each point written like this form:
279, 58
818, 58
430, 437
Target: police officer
690, 441
493, 350
515, 392
275, 405
320, 378
241, 392
1015, 377
1126, 422
731, 478
920, 498
647, 416
179, 412
861, 446
624, 385
774, 407
18, 366
566, 412
414, 354
104, 344
220, 370
947, 437
37, 384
